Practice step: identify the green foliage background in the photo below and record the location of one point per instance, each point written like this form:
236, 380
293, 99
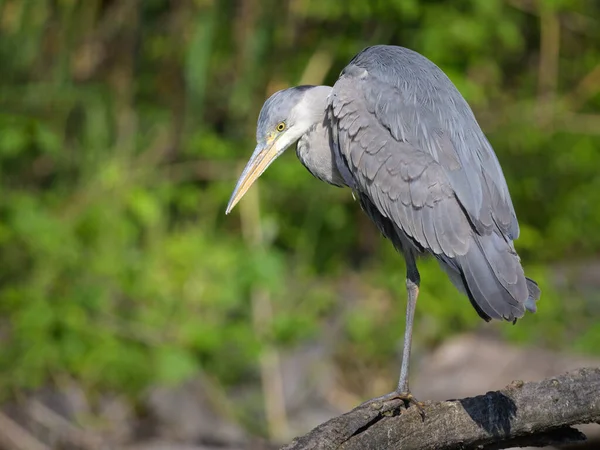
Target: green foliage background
123, 126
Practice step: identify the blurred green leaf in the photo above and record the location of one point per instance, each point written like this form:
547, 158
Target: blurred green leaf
174, 364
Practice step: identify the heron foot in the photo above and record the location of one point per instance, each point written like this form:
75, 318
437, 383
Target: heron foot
385, 402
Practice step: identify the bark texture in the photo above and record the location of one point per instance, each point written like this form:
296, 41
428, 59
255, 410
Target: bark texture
523, 414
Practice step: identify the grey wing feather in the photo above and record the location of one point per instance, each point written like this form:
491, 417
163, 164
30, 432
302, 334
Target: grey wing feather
405, 92
401, 180
431, 174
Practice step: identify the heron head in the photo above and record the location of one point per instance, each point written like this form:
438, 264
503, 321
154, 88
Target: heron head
283, 119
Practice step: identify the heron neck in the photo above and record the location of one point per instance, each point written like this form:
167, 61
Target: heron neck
315, 152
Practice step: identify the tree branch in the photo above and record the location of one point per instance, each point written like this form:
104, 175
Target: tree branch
522, 414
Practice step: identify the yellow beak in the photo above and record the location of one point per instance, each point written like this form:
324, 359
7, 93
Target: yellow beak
262, 157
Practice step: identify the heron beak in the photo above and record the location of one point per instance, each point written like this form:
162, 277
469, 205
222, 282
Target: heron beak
263, 156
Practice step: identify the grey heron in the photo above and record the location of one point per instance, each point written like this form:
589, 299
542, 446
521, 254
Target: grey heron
396, 131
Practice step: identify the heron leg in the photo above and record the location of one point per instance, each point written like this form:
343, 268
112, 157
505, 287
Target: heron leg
402, 391
413, 280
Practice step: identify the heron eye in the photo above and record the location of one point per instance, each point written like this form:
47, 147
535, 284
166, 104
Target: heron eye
281, 126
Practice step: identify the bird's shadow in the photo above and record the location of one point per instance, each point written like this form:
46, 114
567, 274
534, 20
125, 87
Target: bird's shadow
493, 412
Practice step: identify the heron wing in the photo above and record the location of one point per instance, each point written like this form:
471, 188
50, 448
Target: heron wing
451, 199
405, 183
418, 105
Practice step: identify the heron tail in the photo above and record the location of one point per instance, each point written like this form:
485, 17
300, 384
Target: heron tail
494, 281
534, 295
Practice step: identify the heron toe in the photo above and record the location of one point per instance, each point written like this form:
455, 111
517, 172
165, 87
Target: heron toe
387, 402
